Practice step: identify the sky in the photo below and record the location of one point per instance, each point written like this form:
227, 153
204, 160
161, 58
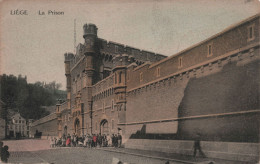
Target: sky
33, 45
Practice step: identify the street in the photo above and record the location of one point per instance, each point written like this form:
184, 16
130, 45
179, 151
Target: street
39, 151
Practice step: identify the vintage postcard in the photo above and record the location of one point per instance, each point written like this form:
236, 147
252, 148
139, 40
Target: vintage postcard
130, 82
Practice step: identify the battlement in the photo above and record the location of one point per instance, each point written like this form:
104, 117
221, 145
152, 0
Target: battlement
122, 60
68, 56
89, 29
103, 86
113, 48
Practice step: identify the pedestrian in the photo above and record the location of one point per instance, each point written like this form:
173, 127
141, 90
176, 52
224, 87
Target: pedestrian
63, 141
113, 140
68, 142
197, 146
1, 148
55, 142
95, 140
50, 142
116, 140
119, 140
99, 139
89, 142
109, 140
5, 154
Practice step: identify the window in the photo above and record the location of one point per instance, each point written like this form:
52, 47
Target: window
158, 71
115, 78
112, 124
180, 62
210, 52
112, 105
120, 77
96, 125
116, 49
128, 75
251, 33
103, 107
84, 81
141, 76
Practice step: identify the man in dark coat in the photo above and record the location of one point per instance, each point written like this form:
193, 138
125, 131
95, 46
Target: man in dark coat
197, 146
119, 140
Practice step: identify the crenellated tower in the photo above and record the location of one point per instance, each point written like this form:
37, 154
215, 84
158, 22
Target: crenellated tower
90, 52
68, 58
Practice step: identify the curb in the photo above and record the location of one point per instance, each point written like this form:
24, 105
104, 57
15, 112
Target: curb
148, 156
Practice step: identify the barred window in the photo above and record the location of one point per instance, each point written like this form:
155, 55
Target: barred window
210, 51
158, 72
251, 33
112, 105
180, 62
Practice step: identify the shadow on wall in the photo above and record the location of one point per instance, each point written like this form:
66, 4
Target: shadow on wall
234, 89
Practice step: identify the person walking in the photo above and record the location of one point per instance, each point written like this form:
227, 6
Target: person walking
197, 146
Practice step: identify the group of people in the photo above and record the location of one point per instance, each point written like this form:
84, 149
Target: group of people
4, 153
94, 140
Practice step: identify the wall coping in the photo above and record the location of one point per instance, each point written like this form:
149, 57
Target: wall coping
208, 39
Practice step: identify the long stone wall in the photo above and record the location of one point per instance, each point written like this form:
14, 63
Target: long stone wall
247, 152
47, 125
219, 101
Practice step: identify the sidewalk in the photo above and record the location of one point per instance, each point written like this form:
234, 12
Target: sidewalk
170, 156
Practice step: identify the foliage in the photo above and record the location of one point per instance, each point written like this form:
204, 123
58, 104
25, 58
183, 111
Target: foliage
28, 99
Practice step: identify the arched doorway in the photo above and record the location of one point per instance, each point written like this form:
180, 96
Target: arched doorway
65, 130
104, 127
77, 127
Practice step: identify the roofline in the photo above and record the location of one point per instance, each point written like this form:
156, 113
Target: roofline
208, 39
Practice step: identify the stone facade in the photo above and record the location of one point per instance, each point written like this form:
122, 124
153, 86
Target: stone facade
17, 126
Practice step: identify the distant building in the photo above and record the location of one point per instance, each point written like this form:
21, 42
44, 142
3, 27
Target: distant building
17, 126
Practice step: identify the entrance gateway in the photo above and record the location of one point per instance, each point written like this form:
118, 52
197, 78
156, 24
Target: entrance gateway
104, 127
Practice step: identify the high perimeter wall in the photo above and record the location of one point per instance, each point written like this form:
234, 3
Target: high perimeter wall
48, 125
211, 94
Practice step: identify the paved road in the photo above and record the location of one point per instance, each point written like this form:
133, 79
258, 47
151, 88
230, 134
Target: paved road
38, 151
